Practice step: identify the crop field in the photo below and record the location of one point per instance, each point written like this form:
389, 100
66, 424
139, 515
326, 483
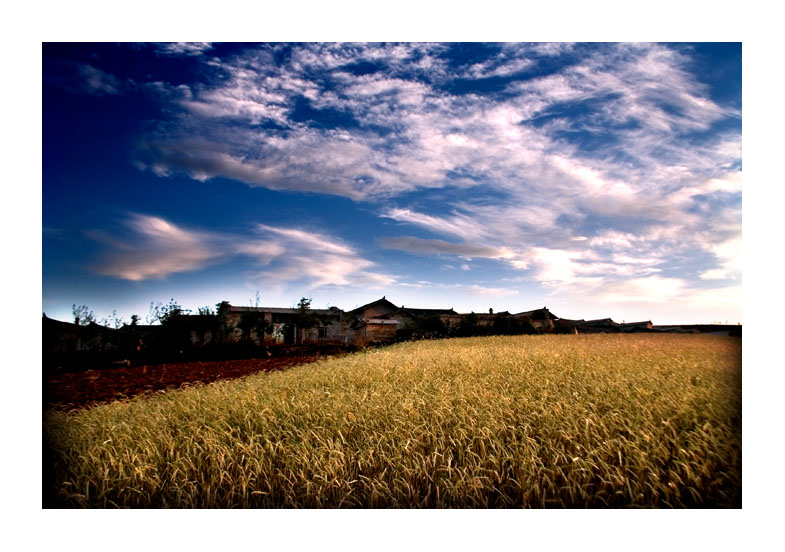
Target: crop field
525, 421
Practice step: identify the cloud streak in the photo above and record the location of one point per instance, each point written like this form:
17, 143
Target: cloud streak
158, 248
155, 248
184, 48
441, 247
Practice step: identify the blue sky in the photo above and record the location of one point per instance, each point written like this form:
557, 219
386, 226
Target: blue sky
601, 180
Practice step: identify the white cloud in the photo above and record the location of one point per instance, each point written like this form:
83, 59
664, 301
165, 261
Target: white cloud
729, 258
469, 289
186, 48
316, 260
499, 67
555, 265
98, 82
159, 248
441, 247
655, 289
731, 183
458, 225
263, 251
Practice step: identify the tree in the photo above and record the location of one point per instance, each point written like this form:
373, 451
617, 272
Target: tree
165, 314
432, 324
509, 325
205, 311
153, 313
254, 322
505, 325
224, 328
112, 320
467, 325
305, 304
305, 319
82, 315
526, 327
134, 320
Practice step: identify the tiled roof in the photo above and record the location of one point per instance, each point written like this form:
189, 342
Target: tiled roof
537, 314
428, 312
374, 303
599, 322
279, 310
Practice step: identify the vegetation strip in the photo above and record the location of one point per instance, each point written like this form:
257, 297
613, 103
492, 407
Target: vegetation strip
521, 421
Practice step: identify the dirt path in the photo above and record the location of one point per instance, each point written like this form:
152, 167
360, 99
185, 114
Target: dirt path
78, 389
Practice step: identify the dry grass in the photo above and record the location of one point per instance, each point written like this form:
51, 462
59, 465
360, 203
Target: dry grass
532, 421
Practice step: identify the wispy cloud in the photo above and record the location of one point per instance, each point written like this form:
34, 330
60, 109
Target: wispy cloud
457, 224
316, 260
184, 48
441, 247
729, 257
97, 82
469, 289
157, 248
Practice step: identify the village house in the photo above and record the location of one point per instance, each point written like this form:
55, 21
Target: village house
607, 325
485, 319
286, 326
542, 319
600, 325
198, 330
67, 337
411, 318
635, 326
376, 309
373, 324
94, 345
376, 330
383, 321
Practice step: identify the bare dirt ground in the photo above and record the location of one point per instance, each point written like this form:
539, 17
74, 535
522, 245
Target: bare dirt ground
79, 389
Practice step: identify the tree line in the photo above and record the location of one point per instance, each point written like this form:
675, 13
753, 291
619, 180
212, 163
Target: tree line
164, 313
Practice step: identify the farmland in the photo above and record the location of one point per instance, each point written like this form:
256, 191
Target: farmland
525, 421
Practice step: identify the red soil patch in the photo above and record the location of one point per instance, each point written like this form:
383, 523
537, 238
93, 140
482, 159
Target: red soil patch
79, 389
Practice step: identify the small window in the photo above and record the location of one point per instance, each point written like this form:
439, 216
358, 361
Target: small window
322, 332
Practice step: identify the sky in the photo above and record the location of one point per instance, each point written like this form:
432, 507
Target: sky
597, 179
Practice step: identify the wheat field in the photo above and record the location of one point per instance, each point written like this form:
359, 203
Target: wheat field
524, 421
